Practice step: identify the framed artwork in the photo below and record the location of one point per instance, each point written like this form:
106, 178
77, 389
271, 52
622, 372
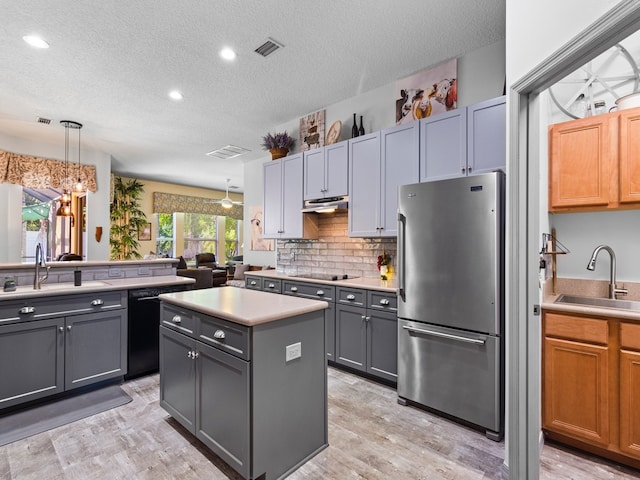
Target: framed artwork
257, 242
312, 131
429, 92
145, 232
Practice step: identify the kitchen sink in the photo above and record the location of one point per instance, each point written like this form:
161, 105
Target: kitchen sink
599, 302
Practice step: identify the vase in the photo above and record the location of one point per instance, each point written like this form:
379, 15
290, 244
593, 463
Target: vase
361, 130
354, 129
278, 152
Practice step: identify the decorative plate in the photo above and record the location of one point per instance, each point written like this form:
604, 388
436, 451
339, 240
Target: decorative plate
333, 134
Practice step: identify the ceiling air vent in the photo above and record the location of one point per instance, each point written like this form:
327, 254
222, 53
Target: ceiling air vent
230, 151
46, 121
268, 47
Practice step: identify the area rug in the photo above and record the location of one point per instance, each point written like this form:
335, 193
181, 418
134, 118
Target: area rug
38, 419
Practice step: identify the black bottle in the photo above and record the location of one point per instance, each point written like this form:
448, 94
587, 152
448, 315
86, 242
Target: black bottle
354, 129
361, 131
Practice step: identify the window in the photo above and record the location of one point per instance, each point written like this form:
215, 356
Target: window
200, 233
232, 227
164, 238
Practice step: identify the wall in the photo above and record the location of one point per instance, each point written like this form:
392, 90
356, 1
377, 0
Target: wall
481, 76
11, 198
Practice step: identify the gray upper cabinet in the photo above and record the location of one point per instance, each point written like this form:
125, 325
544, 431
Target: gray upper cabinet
464, 141
378, 164
283, 200
325, 171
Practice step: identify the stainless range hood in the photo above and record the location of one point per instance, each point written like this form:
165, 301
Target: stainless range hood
325, 205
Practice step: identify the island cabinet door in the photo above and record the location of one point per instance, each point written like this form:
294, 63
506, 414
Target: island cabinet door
95, 348
351, 336
31, 360
222, 406
178, 377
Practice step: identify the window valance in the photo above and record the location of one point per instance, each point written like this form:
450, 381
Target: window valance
37, 172
171, 203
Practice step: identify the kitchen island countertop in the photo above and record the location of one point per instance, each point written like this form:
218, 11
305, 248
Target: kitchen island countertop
242, 306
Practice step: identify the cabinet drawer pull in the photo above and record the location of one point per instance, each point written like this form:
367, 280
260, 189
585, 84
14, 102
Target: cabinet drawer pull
27, 310
252, 282
176, 319
294, 289
68, 328
61, 329
97, 302
219, 335
384, 301
320, 293
363, 317
271, 285
351, 296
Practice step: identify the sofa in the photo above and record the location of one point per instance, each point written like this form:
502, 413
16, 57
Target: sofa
239, 271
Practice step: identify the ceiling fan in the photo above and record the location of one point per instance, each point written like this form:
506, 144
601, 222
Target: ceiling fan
226, 202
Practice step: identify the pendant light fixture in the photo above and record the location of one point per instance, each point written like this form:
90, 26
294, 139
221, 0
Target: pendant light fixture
64, 210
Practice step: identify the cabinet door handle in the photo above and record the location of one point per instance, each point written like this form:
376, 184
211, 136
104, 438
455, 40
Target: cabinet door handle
294, 289
189, 354
219, 335
463, 169
68, 328
176, 319
384, 301
363, 317
61, 329
320, 292
196, 355
27, 310
351, 296
97, 302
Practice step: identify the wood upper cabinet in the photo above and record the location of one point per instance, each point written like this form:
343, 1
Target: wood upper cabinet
594, 163
577, 377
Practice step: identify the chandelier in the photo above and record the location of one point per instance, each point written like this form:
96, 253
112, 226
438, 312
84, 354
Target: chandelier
64, 210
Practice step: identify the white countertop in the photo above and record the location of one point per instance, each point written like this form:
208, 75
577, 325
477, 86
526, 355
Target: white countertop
359, 282
53, 289
90, 263
246, 307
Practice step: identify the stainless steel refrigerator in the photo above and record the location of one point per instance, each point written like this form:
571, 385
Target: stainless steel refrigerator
451, 298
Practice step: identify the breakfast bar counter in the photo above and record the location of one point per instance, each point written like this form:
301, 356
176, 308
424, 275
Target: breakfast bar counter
246, 373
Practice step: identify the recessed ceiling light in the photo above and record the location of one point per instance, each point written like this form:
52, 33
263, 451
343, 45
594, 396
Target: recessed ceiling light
227, 53
175, 95
35, 41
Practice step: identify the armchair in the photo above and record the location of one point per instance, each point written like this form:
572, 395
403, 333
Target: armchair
219, 274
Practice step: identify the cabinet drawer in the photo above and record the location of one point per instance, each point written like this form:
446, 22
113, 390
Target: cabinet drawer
630, 335
351, 296
62, 305
179, 319
227, 336
316, 291
382, 300
254, 283
591, 330
272, 285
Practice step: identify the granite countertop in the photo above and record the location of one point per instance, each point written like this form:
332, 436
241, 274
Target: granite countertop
246, 307
359, 282
54, 289
589, 288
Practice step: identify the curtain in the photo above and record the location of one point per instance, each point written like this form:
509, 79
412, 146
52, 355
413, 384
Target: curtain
171, 203
37, 172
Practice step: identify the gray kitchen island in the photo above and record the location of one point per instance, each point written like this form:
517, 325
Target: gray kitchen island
246, 373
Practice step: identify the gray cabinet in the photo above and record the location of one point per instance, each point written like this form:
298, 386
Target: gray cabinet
253, 283
464, 141
325, 171
378, 164
56, 344
366, 332
282, 200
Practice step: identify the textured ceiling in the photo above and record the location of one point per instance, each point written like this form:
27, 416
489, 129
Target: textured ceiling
112, 63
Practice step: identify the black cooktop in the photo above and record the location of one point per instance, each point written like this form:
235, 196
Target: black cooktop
325, 276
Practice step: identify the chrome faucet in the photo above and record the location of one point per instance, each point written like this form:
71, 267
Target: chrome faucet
40, 262
613, 290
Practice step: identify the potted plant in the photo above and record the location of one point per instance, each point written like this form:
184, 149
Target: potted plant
278, 144
126, 219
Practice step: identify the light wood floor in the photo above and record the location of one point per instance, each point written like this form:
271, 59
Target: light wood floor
370, 436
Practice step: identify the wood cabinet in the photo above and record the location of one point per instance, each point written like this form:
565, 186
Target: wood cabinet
464, 141
591, 384
57, 344
367, 332
378, 164
325, 171
594, 163
282, 200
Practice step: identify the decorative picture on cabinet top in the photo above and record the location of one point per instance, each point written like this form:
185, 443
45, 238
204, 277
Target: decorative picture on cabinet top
426, 93
312, 131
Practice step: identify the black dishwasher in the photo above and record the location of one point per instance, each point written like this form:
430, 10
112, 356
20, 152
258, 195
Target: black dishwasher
143, 343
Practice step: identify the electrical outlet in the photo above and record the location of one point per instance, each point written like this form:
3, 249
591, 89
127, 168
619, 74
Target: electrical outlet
293, 351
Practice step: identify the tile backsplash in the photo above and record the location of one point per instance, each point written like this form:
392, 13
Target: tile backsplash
334, 251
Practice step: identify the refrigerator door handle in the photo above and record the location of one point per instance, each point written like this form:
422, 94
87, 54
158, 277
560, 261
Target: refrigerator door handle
475, 341
402, 221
